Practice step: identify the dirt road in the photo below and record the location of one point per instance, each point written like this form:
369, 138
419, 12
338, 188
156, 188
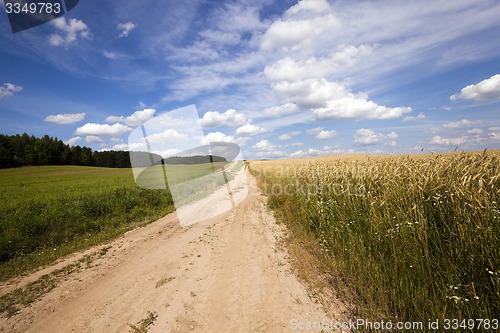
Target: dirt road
226, 274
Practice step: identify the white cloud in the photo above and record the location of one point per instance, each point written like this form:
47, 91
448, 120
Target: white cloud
462, 123
65, 118
221, 137
249, 129
485, 90
366, 137
289, 135
301, 27
447, 141
308, 152
314, 131
332, 100
9, 89
392, 135
102, 129
411, 37
167, 153
73, 141
134, 120
323, 135
280, 110
126, 28
130, 147
475, 131
228, 118
93, 139
391, 144
420, 116
320, 133
297, 144
288, 69
70, 30
265, 145
167, 136
494, 133
122, 146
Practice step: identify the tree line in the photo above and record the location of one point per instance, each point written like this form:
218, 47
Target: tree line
196, 159
25, 150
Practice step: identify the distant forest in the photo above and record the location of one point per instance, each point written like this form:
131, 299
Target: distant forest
198, 159
25, 150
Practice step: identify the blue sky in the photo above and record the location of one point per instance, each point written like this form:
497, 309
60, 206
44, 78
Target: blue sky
280, 78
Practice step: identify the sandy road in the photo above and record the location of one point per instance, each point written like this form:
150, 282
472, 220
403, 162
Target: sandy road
225, 274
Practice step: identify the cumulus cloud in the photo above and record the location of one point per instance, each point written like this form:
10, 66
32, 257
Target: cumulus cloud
323, 135
134, 120
308, 152
102, 129
265, 145
130, 147
126, 28
289, 135
366, 137
280, 110
65, 118
308, 75
167, 136
73, 141
288, 69
332, 100
121, 146
93, 139
228, 118
249, 129
488, 89
167, 152
9, 89
420, 116
221, 137
447, 141
302, 27
69, 31
392, 135
462, 123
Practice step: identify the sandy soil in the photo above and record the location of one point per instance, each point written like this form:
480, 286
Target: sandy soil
225, 274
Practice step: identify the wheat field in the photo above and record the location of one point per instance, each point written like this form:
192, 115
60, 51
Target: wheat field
413, 237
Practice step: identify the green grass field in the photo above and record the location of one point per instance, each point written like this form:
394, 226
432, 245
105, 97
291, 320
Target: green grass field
414, 238
48, 212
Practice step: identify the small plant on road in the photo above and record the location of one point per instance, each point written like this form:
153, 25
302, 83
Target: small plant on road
143, 325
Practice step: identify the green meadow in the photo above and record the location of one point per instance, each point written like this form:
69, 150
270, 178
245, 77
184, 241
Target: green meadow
50, 211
